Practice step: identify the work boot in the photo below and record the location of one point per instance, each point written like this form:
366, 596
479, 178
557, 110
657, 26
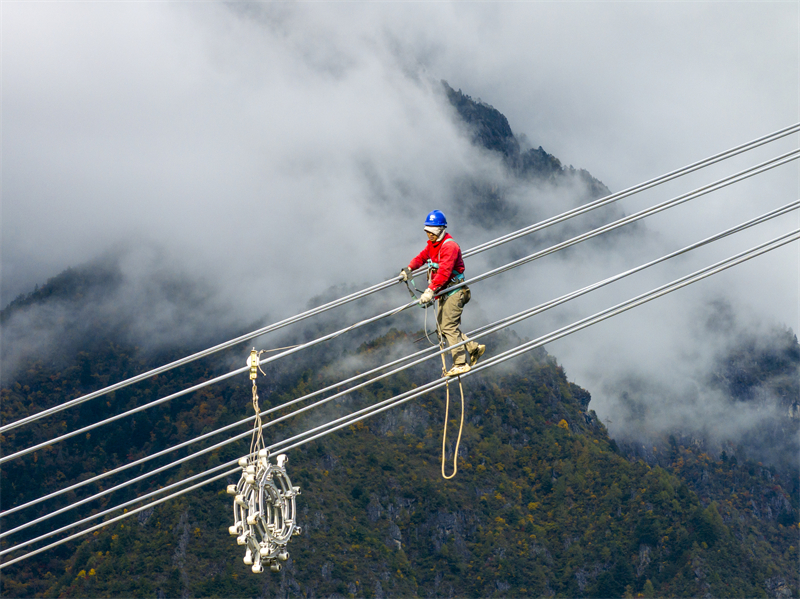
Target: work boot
457, 369
474, 356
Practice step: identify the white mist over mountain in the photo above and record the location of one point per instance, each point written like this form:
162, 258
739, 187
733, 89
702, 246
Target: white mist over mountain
274, 150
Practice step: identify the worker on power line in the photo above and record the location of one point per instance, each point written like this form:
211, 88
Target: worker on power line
446, 268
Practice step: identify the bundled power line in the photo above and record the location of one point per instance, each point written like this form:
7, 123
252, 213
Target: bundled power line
671, 203
337, 424
478, 333
781, 133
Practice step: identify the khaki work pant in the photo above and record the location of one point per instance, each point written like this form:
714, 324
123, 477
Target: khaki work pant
448, 316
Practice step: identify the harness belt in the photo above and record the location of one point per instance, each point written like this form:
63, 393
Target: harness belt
455, 278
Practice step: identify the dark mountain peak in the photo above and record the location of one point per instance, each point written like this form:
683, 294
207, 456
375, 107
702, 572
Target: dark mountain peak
71, 285
489, 129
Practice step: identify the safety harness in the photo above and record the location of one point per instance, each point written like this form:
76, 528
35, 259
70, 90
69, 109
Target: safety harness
455, 277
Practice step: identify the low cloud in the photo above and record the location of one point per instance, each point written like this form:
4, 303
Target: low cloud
237, 160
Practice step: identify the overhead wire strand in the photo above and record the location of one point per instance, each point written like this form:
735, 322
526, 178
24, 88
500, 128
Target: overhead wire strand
671, 203
196, 356
127, 514
121, 506
636, 189
199, 386
129, 482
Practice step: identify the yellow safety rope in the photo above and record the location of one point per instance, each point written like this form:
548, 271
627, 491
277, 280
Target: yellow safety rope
257, 442
460, 429
447, 406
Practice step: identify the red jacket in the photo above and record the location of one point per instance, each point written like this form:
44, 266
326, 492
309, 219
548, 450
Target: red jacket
447, 255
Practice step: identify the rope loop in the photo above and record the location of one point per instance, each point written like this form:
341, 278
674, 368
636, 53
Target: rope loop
460, 430
447, 403
413, 295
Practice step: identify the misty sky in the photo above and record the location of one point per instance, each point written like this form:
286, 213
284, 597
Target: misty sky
314, 137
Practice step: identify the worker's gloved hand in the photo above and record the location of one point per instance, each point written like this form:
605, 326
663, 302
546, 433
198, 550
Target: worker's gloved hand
427, 297
405, 274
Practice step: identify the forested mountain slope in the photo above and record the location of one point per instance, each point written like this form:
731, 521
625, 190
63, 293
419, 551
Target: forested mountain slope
544, 502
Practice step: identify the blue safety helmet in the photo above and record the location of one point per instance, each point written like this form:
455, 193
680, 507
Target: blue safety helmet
436, 219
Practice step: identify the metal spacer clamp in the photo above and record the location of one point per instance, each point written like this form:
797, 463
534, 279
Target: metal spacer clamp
252, 362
